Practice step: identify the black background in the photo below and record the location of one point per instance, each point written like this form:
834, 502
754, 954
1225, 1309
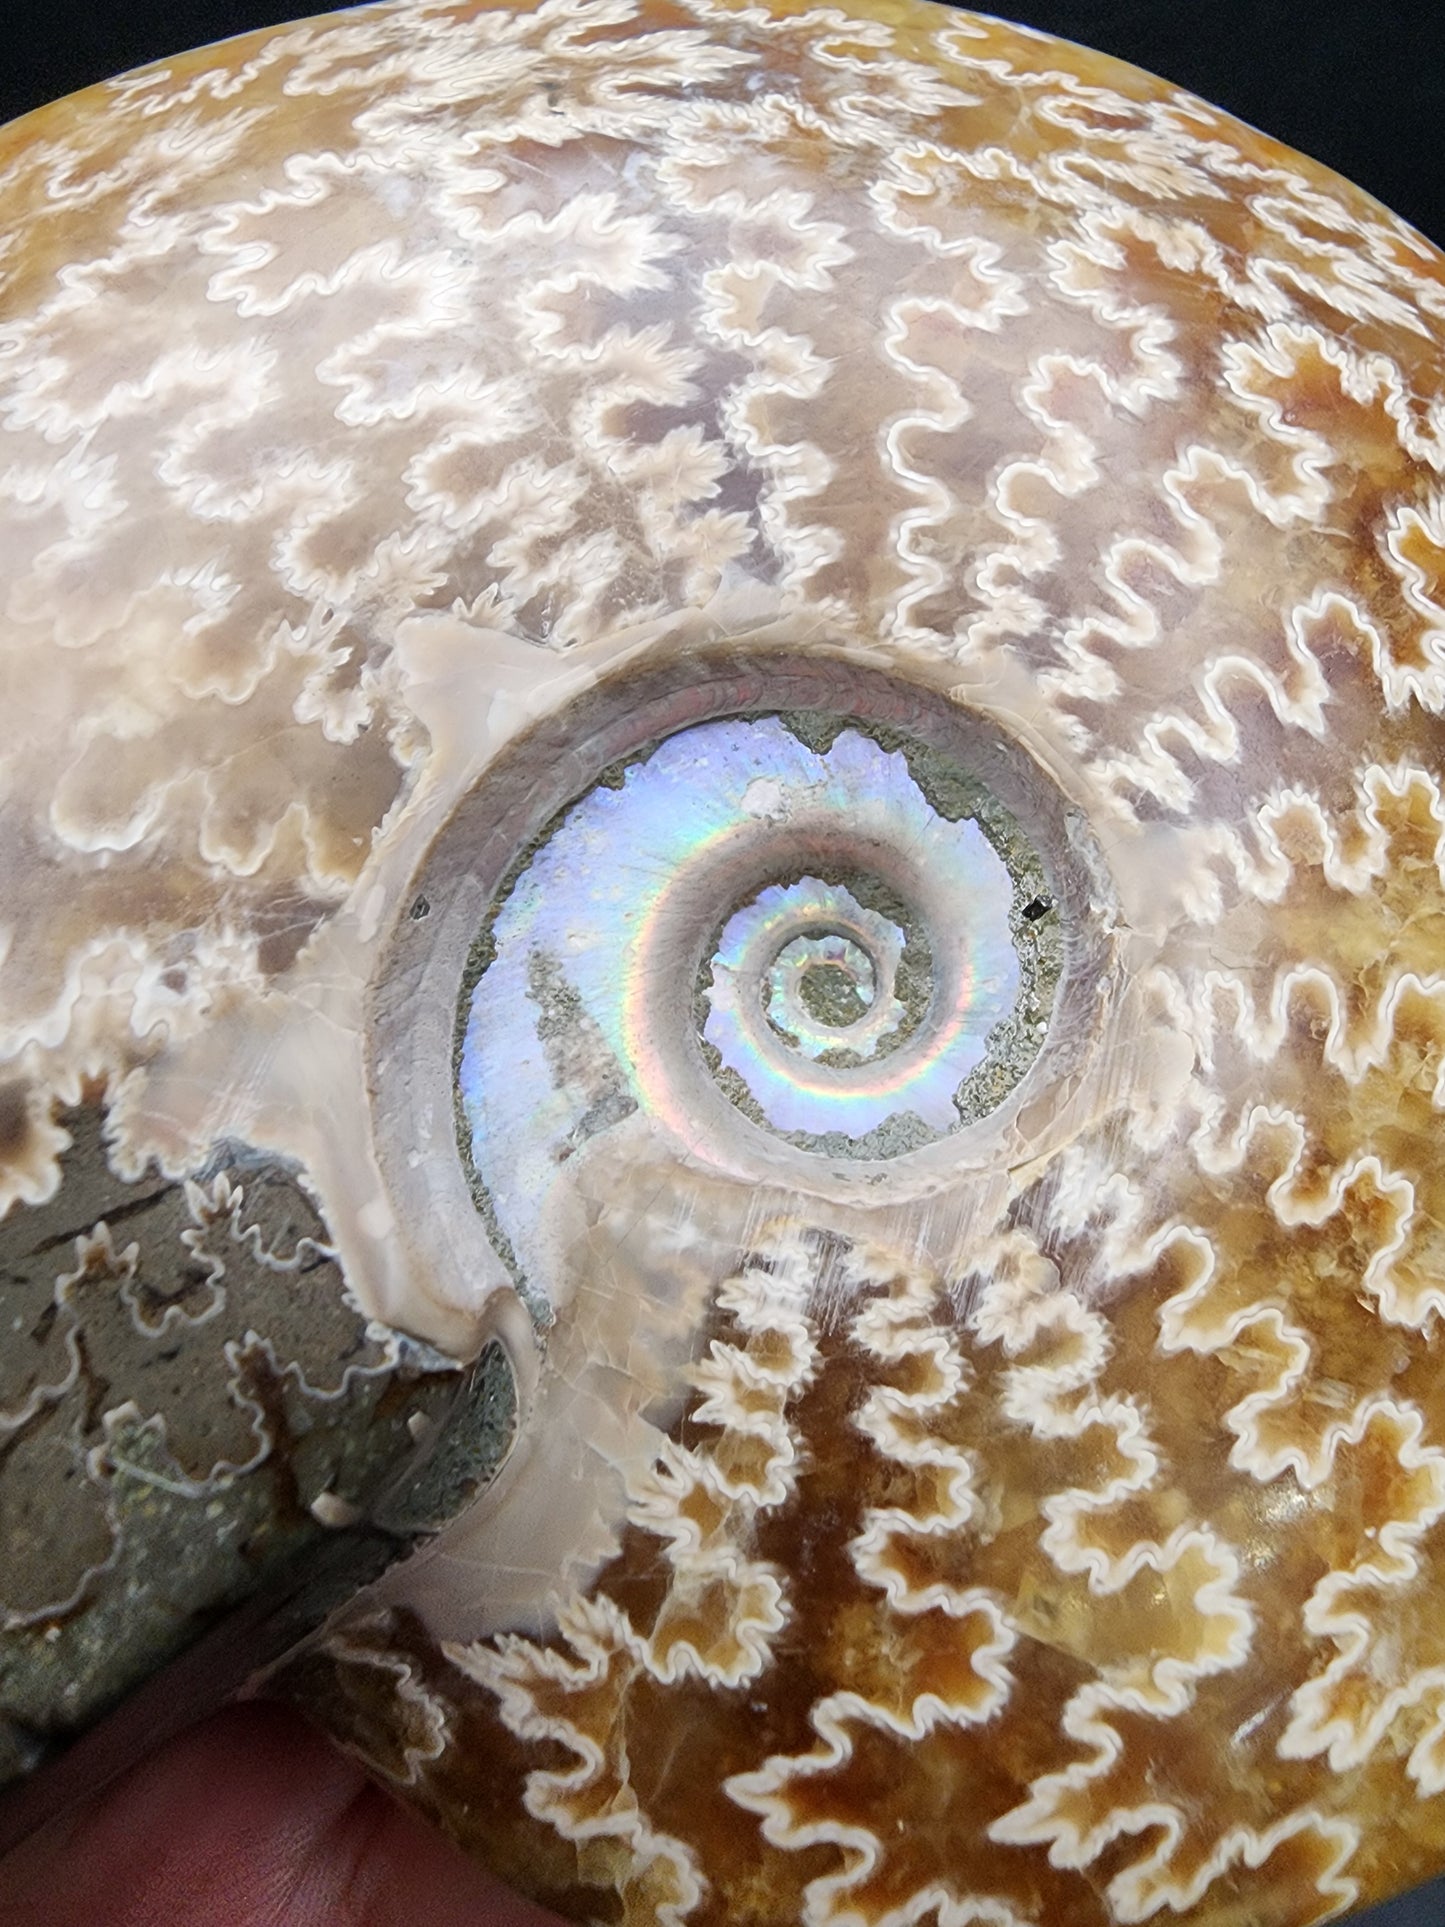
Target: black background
1356, 85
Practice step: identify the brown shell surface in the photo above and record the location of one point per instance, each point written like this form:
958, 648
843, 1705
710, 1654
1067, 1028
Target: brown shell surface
1049, 1541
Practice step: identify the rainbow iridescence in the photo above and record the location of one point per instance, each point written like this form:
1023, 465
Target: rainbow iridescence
679, 916
874, 1015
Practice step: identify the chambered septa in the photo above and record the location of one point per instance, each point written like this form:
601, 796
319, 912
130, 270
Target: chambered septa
722, 905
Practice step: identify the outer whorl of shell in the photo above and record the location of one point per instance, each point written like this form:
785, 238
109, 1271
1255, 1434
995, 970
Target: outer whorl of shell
753, 694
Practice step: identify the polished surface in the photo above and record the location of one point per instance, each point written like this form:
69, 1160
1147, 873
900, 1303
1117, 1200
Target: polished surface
962, 1214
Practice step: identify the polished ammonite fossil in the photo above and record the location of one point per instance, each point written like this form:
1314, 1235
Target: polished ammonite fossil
722, 954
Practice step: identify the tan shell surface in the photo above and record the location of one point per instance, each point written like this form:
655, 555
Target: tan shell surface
1043, 1535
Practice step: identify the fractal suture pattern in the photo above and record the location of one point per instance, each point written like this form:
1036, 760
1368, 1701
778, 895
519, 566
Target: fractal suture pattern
722, 928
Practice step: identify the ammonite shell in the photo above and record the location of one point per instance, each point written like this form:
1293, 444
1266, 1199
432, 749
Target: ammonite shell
724, 886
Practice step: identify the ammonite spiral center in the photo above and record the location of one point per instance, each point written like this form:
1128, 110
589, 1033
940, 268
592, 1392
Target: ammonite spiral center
830, 991
834, 926
763, 917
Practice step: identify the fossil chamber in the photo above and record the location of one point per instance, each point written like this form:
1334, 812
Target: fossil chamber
722, 957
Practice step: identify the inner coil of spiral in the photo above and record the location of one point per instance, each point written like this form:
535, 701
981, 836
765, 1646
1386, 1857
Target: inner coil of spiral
856, 940
804, 923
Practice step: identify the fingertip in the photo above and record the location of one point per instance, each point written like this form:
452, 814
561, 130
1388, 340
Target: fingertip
250, 1820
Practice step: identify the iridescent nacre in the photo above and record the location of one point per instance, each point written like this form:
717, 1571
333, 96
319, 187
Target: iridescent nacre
723, 878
